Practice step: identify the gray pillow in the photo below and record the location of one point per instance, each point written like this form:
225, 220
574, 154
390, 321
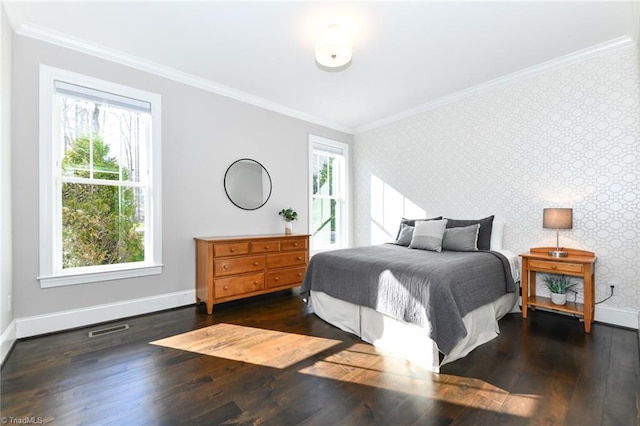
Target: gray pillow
412, 222
461, 239
484, 235
405, 235
428, 235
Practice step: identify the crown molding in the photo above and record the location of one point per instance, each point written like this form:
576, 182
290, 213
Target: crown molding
63, 40
525, 74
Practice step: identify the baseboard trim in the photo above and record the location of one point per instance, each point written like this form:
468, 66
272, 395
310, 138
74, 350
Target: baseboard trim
7, 340
620, 317
64, 320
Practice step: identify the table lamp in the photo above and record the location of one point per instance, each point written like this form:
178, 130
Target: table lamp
557, 218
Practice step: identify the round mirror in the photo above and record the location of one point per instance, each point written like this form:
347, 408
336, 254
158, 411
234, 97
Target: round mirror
247, 184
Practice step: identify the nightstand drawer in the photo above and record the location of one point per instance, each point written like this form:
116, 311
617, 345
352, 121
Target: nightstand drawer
556, 267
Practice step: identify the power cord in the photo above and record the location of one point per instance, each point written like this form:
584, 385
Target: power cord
575, 297
607, 298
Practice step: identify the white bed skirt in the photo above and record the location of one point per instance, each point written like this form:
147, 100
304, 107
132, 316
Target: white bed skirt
409, 341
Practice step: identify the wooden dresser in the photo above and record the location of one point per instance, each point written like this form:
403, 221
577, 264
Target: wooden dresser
230, 268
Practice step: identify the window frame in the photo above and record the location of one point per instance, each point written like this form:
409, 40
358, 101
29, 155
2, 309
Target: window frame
344, 238
51, 272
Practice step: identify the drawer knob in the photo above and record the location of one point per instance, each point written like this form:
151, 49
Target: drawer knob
266, 247
277, 278
295, 244
299, 257
226, 287
232, 250
256, 263
255, 283
225, 266
554, 266
299, 274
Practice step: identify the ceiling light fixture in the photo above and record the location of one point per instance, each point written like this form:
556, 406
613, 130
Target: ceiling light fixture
333, 48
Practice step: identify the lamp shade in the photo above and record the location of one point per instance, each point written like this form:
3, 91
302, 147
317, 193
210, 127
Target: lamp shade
557, 218
333, 47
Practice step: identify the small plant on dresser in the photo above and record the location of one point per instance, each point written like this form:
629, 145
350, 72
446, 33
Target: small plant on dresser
289, 215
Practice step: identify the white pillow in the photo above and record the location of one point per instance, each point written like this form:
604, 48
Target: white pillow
428, 235
497, 235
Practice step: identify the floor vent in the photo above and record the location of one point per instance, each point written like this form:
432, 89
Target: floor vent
108, 330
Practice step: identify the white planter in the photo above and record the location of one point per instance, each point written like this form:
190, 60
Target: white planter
558, 299
288, 228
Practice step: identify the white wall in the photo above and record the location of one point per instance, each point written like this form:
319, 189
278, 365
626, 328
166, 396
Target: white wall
7, 330
202, 134
564, 138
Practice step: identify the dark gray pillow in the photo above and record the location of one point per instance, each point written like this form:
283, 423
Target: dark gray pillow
405, 235
412, 222
461, 239
428, 235
484, 235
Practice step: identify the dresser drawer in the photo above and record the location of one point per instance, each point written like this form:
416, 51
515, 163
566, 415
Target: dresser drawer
265, 246
230, 249
294, 244
556, 267
286, 259
231, 286
238, 265
285, 277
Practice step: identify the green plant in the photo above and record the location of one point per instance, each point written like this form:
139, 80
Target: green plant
559, 284
289, 214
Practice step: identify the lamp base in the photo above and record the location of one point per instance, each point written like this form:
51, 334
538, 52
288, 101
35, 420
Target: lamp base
558, 253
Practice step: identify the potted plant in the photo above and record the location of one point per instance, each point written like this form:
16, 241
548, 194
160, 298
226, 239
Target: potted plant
289, 215
559, 285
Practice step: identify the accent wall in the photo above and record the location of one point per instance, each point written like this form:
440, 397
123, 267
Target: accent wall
567, 137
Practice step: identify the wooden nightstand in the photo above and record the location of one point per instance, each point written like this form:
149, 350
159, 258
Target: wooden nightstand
578, 263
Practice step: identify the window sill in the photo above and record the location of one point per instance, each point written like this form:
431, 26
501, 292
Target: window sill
90, 277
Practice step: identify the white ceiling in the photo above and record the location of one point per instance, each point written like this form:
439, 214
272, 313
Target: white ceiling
406, 54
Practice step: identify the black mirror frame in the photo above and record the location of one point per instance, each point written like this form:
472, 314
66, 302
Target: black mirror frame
224, 183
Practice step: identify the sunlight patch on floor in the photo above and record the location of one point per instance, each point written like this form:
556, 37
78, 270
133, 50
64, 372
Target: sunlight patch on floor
258, 346
359, 365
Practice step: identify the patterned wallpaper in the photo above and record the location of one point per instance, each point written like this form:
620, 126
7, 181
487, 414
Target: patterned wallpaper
569, 137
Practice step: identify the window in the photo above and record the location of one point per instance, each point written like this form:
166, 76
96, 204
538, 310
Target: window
329, 194
99, 180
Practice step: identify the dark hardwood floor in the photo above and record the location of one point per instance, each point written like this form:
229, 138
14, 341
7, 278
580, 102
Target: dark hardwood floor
268, 360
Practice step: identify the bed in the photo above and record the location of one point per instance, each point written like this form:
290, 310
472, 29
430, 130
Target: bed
430, 307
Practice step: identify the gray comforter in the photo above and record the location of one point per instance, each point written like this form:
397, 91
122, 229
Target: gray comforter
430, 289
